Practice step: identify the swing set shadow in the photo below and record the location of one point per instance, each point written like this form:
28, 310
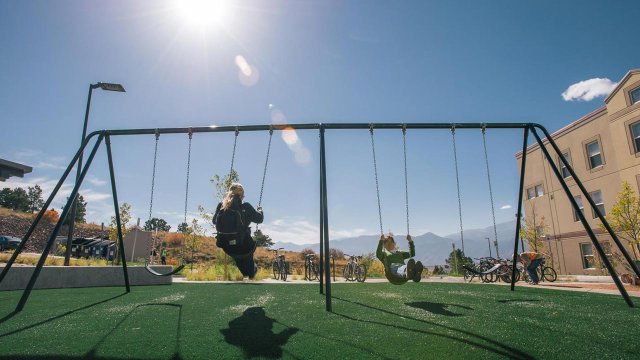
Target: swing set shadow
98, 137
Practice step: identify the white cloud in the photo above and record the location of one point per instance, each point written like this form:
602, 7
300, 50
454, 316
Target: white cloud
588, 90
95, 181
505, 207
298, 230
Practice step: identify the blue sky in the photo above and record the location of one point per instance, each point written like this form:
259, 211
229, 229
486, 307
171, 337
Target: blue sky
257, 62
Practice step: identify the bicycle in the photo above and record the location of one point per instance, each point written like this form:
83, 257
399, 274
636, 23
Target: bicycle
280, 267
545, 273
311, 268
354, 271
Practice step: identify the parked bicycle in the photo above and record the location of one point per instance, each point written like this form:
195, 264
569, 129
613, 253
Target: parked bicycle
311, 267
354, 271
280, 266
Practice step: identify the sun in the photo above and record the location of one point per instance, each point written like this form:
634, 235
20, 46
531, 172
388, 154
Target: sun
204, 13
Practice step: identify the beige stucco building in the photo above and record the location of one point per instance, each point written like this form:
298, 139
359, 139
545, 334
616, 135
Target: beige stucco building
603, 148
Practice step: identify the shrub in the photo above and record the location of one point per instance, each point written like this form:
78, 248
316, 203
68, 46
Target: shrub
50, 216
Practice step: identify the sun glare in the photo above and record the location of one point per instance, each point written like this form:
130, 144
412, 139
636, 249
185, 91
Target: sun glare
204, 13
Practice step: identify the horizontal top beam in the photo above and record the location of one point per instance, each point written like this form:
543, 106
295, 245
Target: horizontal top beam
311, 126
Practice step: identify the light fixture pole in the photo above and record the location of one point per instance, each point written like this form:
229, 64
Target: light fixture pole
72, 214
489, 243
495, 242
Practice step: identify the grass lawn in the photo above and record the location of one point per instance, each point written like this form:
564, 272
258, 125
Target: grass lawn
226, 321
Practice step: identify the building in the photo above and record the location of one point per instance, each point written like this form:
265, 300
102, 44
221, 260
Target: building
9, 169
603, 148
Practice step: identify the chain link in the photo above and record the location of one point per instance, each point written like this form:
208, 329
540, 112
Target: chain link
406, 175
233, 154
375, 171
264, 172
153, 177
455, 158
486, 160
186, 192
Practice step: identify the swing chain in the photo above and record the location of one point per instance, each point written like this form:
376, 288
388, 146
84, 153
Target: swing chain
153, 176
375, 171
406, 175
264, 173
486, 160
186, 194
233, 154
455, 158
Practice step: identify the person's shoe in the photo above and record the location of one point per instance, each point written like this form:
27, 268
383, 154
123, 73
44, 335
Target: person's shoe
411, 266
417, 274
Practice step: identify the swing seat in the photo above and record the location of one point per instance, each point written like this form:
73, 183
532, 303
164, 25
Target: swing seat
172, 272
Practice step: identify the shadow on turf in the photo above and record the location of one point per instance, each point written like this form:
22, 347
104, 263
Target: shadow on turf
437, 308
499, 348
506, 301
12, 314
253, 333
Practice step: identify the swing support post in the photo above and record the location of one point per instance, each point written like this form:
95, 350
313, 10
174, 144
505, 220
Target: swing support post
523, 166
325, 223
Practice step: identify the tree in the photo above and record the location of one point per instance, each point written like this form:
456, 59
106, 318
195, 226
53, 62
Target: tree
438, 270
34, 193
125, 218
624, 217
336, 253
16, 199
156, 224
183, 227
533, 230
262, 239
223, 183
81, 211
194, 237
456, 260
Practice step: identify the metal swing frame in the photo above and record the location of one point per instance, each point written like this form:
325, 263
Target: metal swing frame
325, 280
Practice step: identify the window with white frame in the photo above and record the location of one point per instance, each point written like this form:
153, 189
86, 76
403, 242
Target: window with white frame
578, 200
597, 199
594, 154
635, 136
539, 191
635, 95
588, 261
535, 191
563, 168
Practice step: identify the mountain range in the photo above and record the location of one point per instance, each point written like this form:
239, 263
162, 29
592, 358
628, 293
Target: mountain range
431, 248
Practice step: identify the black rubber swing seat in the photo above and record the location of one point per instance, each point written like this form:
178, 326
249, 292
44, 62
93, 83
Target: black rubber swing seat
394, 279
172, 272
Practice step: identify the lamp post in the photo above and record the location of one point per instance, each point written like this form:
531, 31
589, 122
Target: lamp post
72, 214
495, 242
489, 243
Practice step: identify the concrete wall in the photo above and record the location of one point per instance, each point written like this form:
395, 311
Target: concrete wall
55, 277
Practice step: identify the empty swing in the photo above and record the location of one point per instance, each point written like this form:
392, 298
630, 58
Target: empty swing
388, 273
147, 262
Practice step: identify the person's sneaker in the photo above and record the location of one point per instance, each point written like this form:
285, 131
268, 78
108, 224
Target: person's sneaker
417, 274
411, 266
255, 271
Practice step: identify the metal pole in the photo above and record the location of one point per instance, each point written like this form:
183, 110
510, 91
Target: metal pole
321, 259
523, 166
72, 216
56, 229
489, 243
135, 239
116, 207
35, 222
495, 242
583, 220
327, 268
601, 217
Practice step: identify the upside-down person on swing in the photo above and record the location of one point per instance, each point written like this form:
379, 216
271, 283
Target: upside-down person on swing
393, 259
232, 219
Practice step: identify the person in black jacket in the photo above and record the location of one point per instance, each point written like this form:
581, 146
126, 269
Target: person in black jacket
243, 256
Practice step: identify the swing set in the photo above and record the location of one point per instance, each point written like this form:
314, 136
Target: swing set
98, 137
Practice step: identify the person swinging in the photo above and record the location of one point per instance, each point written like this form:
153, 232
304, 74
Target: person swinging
232, 219
394, 260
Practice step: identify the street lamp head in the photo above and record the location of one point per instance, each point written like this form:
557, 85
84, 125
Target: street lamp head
110, 87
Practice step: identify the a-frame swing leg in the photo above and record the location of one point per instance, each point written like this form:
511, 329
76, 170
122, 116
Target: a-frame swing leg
46, 205
56, 229
583, 220
325, 212
116, 207
523, 166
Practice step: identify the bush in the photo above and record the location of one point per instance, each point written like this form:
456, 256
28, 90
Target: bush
50, 216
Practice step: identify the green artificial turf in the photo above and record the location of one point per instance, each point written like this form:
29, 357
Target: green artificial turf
226, 321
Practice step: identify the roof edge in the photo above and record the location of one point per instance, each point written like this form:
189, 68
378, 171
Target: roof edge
622, 81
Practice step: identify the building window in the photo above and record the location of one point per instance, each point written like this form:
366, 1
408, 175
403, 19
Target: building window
594, 154
597, 199
535, 191
635, 135
588, 261
635, 95
578, 200
564, 169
